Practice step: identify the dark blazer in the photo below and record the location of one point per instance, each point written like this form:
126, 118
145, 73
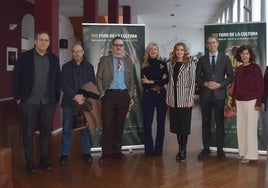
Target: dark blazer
23, 76
71, 84
105, 74
265, 94
223, 74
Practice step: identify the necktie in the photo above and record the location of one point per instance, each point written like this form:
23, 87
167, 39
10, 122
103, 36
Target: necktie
213, 63
119, 63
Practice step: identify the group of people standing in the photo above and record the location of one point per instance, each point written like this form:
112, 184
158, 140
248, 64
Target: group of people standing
38, 82
37, 86
213, 73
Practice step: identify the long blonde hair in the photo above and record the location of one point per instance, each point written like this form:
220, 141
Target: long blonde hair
186, 56
146, 54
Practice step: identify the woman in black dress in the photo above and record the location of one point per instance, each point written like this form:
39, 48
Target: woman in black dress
180, 95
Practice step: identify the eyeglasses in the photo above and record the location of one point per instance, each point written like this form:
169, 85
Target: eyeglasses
43, 40
77, 51
118, 45
214, 42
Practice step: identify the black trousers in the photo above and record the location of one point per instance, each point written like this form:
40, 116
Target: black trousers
115, 105
217, 106
154, 100
33, 115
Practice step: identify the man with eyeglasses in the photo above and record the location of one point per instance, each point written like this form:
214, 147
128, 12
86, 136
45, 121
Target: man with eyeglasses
115, 82
214, 73
75, 74
36, 89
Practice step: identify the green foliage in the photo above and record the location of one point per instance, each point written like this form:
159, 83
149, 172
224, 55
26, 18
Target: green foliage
198, 55
165, 59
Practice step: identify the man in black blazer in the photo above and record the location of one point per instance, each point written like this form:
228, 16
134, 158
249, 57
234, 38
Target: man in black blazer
75, 74
36, 89
213, 73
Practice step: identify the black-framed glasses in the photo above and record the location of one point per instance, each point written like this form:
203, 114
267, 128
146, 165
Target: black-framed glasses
118, 45
213, 42
77, 51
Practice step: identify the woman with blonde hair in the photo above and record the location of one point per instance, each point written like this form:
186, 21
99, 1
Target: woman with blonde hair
154, 77
180, 95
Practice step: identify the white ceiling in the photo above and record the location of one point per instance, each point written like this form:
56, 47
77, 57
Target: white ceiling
157, 13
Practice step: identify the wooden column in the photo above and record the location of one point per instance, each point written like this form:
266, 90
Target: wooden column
113, 11
90, 11
46, 14
126, 15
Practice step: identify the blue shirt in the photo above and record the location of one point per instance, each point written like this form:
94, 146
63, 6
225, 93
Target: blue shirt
119, 75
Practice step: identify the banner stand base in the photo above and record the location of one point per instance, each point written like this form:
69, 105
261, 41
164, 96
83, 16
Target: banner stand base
233, 150
129, 148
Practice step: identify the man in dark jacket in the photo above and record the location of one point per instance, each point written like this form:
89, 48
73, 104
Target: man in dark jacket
75, 74
214, 72
36, 90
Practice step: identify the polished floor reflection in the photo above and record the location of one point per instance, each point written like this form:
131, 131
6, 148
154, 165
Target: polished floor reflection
137, 171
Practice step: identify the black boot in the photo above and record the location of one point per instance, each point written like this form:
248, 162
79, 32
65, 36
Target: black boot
178, 156
184, 139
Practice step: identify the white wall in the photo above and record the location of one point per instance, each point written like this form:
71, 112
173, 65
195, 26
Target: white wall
66, 32
166, 39
27, 32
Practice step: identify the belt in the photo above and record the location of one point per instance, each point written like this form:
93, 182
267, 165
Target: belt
157, 88
116, 90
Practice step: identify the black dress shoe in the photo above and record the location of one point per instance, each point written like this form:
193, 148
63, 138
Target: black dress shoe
178, 156
221, 154
30, 168
45, 165
87, 157
181, 156
205, 152
104, 159
63, 159
119, 155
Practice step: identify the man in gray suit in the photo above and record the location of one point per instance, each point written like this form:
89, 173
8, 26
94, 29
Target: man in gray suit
213, 73
115, 81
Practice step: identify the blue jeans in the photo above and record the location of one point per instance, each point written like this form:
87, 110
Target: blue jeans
67, 132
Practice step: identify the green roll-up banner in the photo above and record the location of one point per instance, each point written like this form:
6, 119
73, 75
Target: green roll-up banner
97, 40
231, 36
